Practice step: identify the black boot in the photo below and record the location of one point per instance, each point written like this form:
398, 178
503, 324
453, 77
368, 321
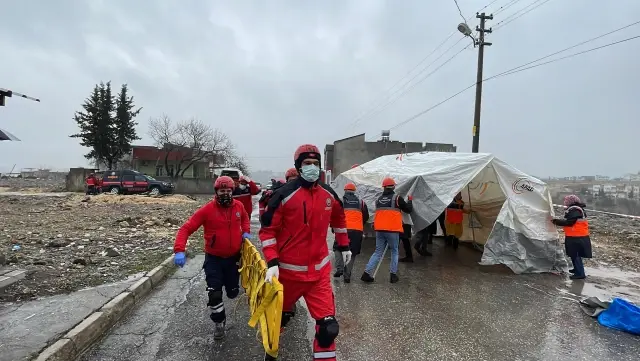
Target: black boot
455, 242
367, 278
337, 274
577, 277
406, 259
394, 278
219, 330
572, 271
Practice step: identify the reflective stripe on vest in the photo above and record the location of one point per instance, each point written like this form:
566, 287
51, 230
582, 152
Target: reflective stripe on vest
388, 215
293, 267
580, 228
352, 212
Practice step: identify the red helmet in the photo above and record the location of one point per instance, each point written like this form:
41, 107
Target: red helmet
305, 151
388, 182
291, 172
224, 182
350, 187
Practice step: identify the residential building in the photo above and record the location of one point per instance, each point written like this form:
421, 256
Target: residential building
344, 153
150, 160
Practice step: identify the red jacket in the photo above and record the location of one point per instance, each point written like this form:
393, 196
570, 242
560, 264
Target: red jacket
223, 229
91, 181
264, 200
294, 230
244, 196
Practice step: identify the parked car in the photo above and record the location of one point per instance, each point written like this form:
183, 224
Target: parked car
133, 182
231, 172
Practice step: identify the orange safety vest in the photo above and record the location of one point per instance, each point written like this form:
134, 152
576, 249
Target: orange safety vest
353, 212
580, 228
388, 215
455, 215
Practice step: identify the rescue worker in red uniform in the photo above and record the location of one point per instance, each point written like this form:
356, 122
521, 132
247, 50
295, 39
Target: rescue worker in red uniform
91, 181
294, 244
226, 224
291, 174
266, 195
356, 214
244, 190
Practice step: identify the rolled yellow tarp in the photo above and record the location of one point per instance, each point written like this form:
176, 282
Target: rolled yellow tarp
265, 299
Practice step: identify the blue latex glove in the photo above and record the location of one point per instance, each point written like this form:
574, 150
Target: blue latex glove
179, 259
246, 235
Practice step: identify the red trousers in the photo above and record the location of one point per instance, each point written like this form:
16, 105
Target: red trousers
320, 301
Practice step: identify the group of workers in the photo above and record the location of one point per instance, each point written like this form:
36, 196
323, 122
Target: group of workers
295, 216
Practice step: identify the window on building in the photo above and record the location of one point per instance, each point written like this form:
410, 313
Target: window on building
196, 173
159, 170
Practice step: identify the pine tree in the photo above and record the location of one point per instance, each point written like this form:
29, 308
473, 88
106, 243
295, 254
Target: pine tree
88, 122
106, 127
107, 124
125, 124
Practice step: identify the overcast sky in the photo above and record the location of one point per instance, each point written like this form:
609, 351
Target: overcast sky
291, 72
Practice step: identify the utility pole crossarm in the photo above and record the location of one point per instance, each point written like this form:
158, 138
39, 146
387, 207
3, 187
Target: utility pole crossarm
481, 44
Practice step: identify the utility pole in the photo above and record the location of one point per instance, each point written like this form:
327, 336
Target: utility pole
481, 44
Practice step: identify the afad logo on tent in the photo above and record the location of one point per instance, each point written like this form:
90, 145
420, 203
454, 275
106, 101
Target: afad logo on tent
521, 185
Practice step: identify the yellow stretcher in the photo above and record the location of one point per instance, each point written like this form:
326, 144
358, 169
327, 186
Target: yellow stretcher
265, 299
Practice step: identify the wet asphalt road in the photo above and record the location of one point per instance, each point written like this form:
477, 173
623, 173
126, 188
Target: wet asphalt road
445, 307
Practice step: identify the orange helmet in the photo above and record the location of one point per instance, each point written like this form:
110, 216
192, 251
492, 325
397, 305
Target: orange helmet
305, 151
388, 182
291, 172
224, 182
350, 187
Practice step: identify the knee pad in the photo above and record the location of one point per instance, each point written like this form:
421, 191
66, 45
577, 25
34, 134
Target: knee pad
215, 297
326, 331
233, 293
286, 317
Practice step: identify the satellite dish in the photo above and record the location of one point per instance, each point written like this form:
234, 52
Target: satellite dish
464, 29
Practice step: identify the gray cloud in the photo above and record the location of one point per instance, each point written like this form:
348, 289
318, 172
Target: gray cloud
276, 74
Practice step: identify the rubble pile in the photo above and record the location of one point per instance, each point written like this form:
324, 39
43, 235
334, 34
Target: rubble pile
615, 241
32, 184
74, 241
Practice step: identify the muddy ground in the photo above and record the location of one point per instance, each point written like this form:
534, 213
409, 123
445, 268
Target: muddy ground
70, 241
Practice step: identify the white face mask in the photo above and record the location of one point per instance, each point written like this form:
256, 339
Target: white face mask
242, 186
310, 172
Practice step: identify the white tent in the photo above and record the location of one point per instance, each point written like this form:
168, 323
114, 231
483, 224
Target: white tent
510, 209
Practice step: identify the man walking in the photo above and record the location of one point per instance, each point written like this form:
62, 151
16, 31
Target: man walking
294, 244
356, 215
388, 226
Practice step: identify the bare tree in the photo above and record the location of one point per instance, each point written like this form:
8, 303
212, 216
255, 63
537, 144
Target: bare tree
188, 142
236, 161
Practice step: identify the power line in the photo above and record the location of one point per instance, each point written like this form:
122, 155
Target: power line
514, 71
505, 7
498, 26
365, 113
391, 101
460, 11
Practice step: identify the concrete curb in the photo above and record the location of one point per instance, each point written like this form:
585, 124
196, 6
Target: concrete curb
91, 329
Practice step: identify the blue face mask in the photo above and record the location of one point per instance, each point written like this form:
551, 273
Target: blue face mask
310, 172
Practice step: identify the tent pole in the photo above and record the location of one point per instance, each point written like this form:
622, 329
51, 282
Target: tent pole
473, 231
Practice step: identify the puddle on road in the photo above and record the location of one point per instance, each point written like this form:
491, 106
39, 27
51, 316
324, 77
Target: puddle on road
606, 283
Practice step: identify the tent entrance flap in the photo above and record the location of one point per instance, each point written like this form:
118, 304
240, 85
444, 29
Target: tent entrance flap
510, 210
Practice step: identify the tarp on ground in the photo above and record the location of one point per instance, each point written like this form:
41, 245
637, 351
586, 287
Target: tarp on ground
510, 209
